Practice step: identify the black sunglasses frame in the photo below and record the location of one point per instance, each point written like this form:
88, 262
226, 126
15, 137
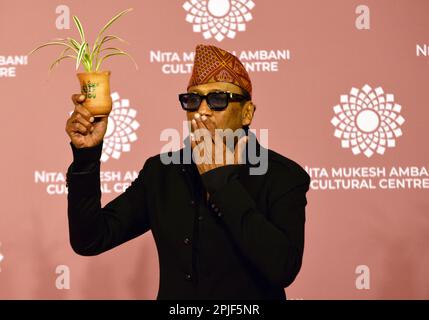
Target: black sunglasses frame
230, 97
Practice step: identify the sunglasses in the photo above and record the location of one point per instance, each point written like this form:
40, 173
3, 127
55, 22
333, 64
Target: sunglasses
215, 100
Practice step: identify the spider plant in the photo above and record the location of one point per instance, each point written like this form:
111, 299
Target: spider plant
91, 59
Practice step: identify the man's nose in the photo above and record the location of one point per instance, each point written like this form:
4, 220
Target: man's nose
204, 108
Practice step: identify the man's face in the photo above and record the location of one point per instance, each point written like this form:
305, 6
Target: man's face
236, 115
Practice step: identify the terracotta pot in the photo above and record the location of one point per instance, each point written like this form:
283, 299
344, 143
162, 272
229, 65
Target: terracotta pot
96, 87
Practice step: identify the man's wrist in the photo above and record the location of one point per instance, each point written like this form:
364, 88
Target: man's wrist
85, 158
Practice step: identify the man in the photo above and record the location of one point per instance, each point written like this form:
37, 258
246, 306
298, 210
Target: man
221, 233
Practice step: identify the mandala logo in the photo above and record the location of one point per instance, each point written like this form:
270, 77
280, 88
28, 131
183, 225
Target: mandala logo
218, 18
367, 121
121, 129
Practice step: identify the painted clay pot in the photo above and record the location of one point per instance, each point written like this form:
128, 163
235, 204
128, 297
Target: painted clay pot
96, 88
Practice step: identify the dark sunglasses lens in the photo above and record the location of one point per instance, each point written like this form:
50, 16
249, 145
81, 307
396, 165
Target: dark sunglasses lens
190, 101
218, 100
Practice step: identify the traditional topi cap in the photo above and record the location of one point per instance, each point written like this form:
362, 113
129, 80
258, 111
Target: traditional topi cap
212, 64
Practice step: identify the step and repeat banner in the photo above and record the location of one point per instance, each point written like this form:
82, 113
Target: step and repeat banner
341, 86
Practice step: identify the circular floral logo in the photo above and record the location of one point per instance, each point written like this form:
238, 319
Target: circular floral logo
367, 121
121, 129
218, 18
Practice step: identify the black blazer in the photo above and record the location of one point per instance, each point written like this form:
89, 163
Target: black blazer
245, 242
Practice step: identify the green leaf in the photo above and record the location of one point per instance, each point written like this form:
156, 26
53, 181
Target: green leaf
52, 43
112, 37
59, 59
115, 54
87, 61
104, 40
80, 54
96, 52
84, 55
64, 51
111, 48
74, 43
79, 28
108, 24
86, 65
63, 54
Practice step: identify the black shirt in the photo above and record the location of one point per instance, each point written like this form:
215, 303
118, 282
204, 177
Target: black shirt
244, 241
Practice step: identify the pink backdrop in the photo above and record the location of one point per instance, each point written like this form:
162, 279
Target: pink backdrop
362, 243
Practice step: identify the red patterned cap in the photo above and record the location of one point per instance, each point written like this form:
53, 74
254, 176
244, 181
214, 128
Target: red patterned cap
212, 64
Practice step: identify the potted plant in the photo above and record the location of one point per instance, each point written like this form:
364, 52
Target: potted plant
94, 83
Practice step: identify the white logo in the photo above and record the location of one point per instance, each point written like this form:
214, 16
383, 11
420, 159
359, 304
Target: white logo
9, 64
362, 280
367, 121
121, 129
62, 282
1, 257
218, 18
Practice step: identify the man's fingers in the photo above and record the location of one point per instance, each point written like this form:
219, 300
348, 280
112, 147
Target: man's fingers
199, 133
208, 123
238, 153
204, 124
193, 143
211, 126
194, 125
78, 98
79, 128
198, 129
197, 119
81, 110
80, 119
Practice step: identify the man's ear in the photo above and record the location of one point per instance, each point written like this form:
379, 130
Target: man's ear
247, 113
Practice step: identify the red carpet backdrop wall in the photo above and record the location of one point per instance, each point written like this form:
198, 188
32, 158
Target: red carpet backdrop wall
341, 86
